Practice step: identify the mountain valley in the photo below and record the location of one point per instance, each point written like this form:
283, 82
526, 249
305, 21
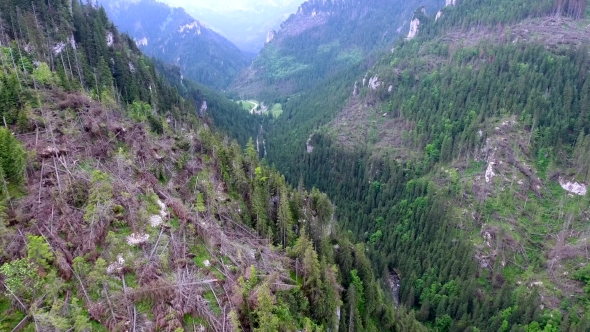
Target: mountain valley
380, 165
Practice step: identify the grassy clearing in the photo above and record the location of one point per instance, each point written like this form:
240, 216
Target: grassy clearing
248, 105
276, 110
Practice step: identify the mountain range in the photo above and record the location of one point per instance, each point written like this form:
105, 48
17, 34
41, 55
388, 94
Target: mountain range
245, 23
174, 36
322, 38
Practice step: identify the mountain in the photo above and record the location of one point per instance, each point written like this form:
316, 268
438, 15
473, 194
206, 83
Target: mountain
458, 154
323, 38
123, 208
245, 23
174, 36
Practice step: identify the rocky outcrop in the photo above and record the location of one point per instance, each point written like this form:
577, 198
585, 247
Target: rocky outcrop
141, 42
110, 39
270, 36
374, 82
438, 15
309, 147
573, 187
301, 23
191, 26
450, 3
414, 25
394, 285
203, 108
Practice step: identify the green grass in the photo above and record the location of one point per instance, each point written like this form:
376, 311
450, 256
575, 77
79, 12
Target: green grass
130, 280
276, 110
474, 167
201, 255
248, 105
210, 297
145, 307
8, 321
190, 321
96, 326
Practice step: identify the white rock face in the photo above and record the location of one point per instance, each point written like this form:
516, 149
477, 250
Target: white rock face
309, 147
438, 15
141, 42
374, 82
573, 187
72, 41
450, 3
490, 172
204, 106
110, 39
57, 49
270, 36
414, 25
191, 26
116, 266
156, 220
135, 239
390, 88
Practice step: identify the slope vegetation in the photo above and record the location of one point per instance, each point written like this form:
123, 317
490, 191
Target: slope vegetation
460, 157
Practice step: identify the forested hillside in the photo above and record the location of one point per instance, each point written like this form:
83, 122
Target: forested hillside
460, 157
322, 39
227, 115
123, 209
173, 36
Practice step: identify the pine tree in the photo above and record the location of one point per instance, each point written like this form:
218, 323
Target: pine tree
39, 251
4, 231
12, 158
284, 219
267, 320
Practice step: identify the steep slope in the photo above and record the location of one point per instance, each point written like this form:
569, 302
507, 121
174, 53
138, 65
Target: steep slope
121, 209
175, 37
227, 115
460, 157
322, 38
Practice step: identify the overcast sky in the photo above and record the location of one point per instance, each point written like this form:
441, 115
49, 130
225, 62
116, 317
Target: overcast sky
244, 22
233, 5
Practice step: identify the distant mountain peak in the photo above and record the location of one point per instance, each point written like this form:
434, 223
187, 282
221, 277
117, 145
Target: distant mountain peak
195, 25
174, 36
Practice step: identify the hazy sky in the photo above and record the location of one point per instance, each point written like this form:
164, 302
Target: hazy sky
233, 5
244, 22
